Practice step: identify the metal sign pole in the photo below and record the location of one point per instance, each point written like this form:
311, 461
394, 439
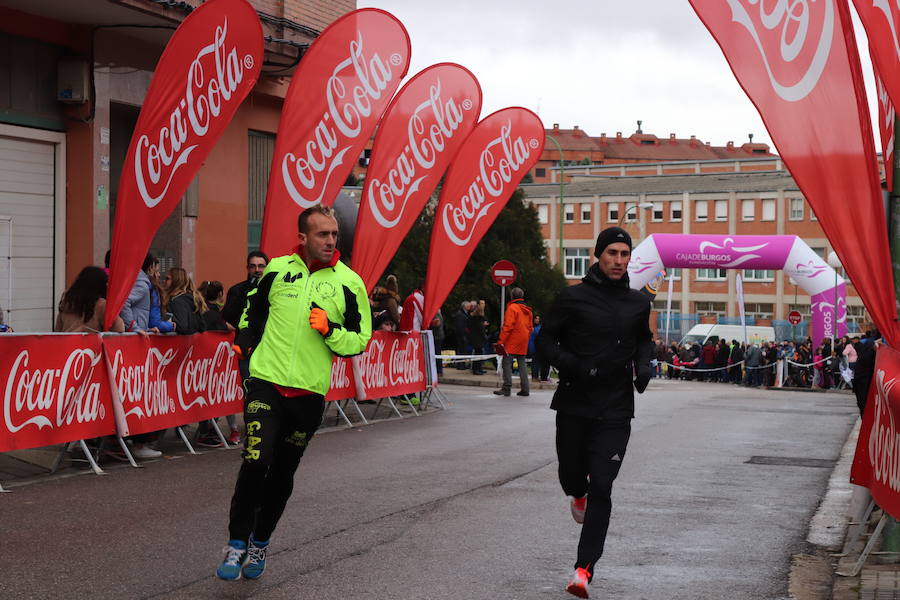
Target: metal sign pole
502, 305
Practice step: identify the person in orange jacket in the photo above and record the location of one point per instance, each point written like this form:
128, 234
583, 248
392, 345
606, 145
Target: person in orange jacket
513, 342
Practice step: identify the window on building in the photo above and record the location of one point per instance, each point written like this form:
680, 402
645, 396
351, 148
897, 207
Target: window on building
612, 212
768, 209
721, 210
820, 251
261, 146
675, 210
657, 211
812, 214
569, 214
758, 310
856, 318
540, 172
759, 275
543, 214
748, 210
803, 309
585, 212
674, 273
711, 274
660, 305
631, 211
710, 309
700, 210
796, 209
577, 262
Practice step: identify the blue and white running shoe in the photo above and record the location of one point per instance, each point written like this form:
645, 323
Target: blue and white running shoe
235, 556
256, 559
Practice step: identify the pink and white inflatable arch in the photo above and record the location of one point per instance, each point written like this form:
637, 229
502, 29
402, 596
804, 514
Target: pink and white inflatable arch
776, 252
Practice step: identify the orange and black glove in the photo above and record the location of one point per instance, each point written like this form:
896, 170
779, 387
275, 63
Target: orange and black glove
318, 320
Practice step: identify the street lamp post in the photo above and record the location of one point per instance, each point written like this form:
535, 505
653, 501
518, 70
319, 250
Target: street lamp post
562, 178
644, 205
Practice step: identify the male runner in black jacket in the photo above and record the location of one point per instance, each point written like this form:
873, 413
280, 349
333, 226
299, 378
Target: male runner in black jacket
598, 336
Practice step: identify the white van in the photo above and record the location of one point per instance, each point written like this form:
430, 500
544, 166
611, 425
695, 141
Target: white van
714, 332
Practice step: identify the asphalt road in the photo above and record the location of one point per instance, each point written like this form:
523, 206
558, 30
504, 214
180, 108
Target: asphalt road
457, 504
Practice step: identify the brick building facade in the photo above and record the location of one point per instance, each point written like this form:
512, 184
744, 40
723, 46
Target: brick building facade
62, 159
717, 202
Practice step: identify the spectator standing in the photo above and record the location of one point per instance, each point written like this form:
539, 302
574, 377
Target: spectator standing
753, 362
213, 320
385, 302
477, 336
155, 321
865, 368
411, 318
83, 305
437, 333
540, 371
184, 302
737, 356
708, 360
513, 342
236, 299
850, 354
135, 310
461, 330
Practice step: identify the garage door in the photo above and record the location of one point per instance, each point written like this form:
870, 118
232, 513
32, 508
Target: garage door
26, 233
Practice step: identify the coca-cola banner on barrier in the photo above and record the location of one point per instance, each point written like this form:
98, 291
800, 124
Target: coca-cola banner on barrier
55, 390
207, 69
342, 382
336, 97
488, 167
800, 67
876, 464
166, 381
393, 363
422, 129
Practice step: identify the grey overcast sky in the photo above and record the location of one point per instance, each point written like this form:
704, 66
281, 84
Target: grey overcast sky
598, 64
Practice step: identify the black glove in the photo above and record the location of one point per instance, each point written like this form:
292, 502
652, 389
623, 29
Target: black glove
643, 378
243, 344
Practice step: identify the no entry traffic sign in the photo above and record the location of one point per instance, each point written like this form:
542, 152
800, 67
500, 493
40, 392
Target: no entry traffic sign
794, 317
503, 273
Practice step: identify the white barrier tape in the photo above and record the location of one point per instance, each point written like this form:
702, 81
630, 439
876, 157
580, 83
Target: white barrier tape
462, 357
812, 364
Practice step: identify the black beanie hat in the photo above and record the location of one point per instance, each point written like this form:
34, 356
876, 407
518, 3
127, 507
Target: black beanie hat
611, 235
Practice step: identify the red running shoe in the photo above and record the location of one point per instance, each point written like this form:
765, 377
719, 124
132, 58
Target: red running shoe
578, 584
578, 507
235, 437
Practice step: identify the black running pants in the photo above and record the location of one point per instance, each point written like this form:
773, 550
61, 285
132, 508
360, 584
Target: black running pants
278, 431
590, 452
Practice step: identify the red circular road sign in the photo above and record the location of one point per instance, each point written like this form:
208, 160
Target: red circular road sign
503, 273
794, 317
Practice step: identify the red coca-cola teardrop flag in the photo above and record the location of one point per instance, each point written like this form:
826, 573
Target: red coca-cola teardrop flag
488, 167
336, 97
881, 20
801, 69
422, 129
207, 69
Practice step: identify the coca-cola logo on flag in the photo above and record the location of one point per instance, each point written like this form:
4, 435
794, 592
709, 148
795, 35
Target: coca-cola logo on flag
794, 40
499, 163
484, 174
356, 84
212, 79
884, 434
422, 129
429, 131
209, 66
336, 98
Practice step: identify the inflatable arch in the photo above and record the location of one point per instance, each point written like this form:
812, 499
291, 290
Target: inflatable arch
828, 304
